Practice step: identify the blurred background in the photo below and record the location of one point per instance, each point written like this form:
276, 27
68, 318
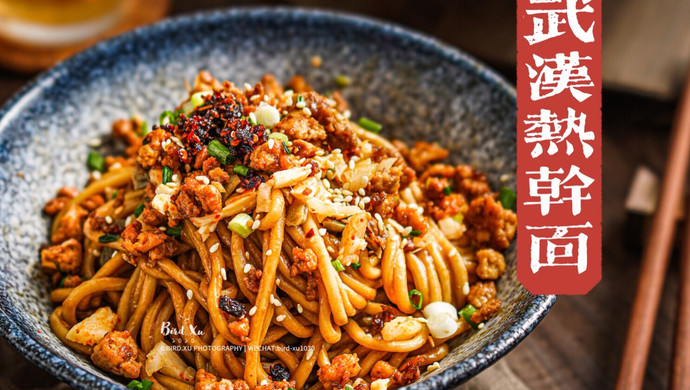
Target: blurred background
646, 51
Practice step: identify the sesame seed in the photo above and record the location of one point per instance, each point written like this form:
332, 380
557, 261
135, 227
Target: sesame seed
223, 274
252, 311
108, 219
365, 178
271, 142
266, 98
433, 367
299, 308
162, 228
346, 191
247, 268
351, 164
277, 303
453, 252
330, 249
306, 110
278, 282
366, 199
466, 288
246, 254
256, 224
322, 231
95, 142
361, 192
214, 248
272, 298
113, 255
96, 175
247, 86
348, 199
347, 114
269, 252
280, 318
190, 294
480, 326
96, 252
255, 97
326, 183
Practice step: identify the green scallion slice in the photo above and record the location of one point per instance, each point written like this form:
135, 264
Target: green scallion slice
458, 217
278, 136
168, 117
337, 265
240, 170
220, 152
95, 162
175, 231
139, 210
242, 225
416, 293
342, 81
507, 197
447, 190
348, 387
285, 148
106, 238
198, 98
167, 175
143, 385
300, 98
368, 124
356, 266
415, 233
466, 313
114, 195
143, 129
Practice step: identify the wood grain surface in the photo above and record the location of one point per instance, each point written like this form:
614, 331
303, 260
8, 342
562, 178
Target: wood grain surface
579, 344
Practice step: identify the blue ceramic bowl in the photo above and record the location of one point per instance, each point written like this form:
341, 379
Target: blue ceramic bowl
417, 87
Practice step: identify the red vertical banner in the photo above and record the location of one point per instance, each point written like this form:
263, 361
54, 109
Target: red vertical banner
559, 145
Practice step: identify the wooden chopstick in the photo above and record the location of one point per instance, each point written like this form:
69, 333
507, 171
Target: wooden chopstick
680, 373
657, 251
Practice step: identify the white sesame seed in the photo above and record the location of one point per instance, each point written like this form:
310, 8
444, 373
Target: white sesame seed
345, 191
252, 311
113, 255
271, 142
453, 252
162, 228
95, 142
190, 294
264, 382
269, 252
255, 97
365, 178
247, 268
366, 199
322, 231
272, 298
326, 183
247, 86
351, 164
348, 199
277, 303
203, 179
266, 98
347, 114
466, 288
108, 219
223, 274
433, 367
330, 249
299, 308
214, 248
307, 111
246, 254
480, 326
96, 252
96, 175
256, 224
280, 318
361, 192
278, 282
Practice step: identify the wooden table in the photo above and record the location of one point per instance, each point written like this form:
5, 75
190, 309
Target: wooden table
578, 345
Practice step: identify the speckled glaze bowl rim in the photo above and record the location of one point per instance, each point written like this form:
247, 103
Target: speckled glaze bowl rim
453, 376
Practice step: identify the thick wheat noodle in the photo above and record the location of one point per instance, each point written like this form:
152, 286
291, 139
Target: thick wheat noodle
457, 265
233, 363
369, 360
215, 286
362, 338
435, 293
60, 294
114, 179
328, 273
217, 360
287, 357
262, 301
189, 232
362, 290
397, 358
435, 354
145, 299
308, 360
87, 265
239, 261
178, 299
419, 274
163, 316
60, 328
388, 262
443, 272
367, 269
296, 295
172, 383
400, 284
111, 266
330, 333
125, 305
276, 211
322, 359
182, 278
357, 301
89, 287
147, 333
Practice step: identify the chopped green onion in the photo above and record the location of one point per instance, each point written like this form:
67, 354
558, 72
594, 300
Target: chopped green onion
167, 175
446, 190
368, 124
348, 387
415, 233
333, 226
466, 313
106, 238
220, 152
62, 282
95, 162
114, 195
143, 385
139, 210
458, 217
356, 266
414, 293
342, 81
285, 148
337, 265
168, 117
143, 128
300, 98
198, 98
242, 225
175, 231
278, 136
240, 170
507, 198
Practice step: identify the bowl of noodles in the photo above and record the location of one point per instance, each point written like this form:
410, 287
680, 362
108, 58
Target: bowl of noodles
262, 199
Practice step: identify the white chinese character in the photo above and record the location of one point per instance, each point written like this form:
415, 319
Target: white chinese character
554, 18
567, 73
548, 188
561, 250
546, 127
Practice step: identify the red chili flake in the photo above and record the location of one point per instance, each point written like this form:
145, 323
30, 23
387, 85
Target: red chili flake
310, 233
